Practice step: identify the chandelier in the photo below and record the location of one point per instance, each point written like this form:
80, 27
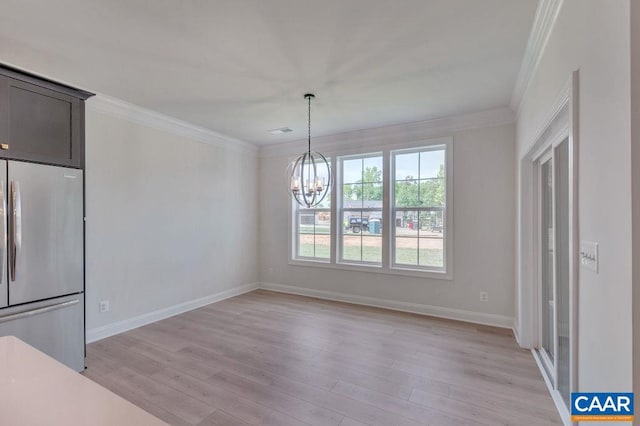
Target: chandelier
310, 174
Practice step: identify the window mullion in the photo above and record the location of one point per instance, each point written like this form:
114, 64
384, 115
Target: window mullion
419, 202
296, 231
386, 207
338, 243
334, 209
361, 237
361, 207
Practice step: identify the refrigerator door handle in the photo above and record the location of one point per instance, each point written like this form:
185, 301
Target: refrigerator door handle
16, 226
38, 311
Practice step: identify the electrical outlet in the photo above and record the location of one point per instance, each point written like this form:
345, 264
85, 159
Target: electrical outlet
103, 306
484, 296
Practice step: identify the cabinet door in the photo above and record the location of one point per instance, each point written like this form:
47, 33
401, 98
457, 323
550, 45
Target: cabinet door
40, 124
4, 113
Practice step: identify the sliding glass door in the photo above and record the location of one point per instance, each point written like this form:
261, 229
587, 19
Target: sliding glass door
554, 266
562, 275
547, 290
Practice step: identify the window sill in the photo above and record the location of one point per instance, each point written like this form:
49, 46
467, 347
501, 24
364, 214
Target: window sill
375, 269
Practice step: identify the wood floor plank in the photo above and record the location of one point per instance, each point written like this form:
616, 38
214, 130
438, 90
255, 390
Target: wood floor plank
276, 418
119, 355
158, 335
243, 408
266, 358
177, 403
136, 397
302, 410
262, 368
176, 360
220, 418
354, 409
419, 413
350, 422
474, 412
507, 403
294, 386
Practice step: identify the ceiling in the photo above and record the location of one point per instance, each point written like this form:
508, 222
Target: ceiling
241, 67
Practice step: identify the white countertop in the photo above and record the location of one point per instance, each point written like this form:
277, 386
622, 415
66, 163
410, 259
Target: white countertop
35, 390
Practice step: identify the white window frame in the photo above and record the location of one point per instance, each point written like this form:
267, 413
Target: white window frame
341, 209
419, 209
296, 211
387, 223
294, 228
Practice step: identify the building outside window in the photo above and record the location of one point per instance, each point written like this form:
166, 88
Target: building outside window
361, 209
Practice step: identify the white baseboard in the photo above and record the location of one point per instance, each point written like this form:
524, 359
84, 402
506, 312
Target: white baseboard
98, 333
515, 327
416, 308
104, 331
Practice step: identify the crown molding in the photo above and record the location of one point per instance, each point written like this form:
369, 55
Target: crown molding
543, 24
136, 114
399, 134
373, 137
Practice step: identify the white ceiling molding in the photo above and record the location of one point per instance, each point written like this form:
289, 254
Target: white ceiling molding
136, 114
399, 134
543, 24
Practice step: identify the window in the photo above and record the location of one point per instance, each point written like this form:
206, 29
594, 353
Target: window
313, 230
361, 209
389, 212
418, 208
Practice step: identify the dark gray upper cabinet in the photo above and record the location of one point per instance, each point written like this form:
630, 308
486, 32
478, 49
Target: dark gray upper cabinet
41, 122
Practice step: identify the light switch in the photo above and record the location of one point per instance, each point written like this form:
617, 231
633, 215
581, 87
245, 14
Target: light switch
589, 255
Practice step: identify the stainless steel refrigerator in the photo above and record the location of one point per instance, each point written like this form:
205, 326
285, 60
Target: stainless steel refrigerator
42, 258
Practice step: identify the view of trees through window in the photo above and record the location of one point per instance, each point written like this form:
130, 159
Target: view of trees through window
419, 205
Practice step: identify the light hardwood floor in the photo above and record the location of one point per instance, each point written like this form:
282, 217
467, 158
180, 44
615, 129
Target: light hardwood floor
267, 358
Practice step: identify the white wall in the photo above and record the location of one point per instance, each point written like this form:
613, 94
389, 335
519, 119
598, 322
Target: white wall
635, 183
171, 219
593, 36
484, 222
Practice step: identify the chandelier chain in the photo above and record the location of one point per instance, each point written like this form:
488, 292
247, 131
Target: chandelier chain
309, 121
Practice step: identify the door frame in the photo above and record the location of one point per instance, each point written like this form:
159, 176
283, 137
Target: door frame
562, 123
